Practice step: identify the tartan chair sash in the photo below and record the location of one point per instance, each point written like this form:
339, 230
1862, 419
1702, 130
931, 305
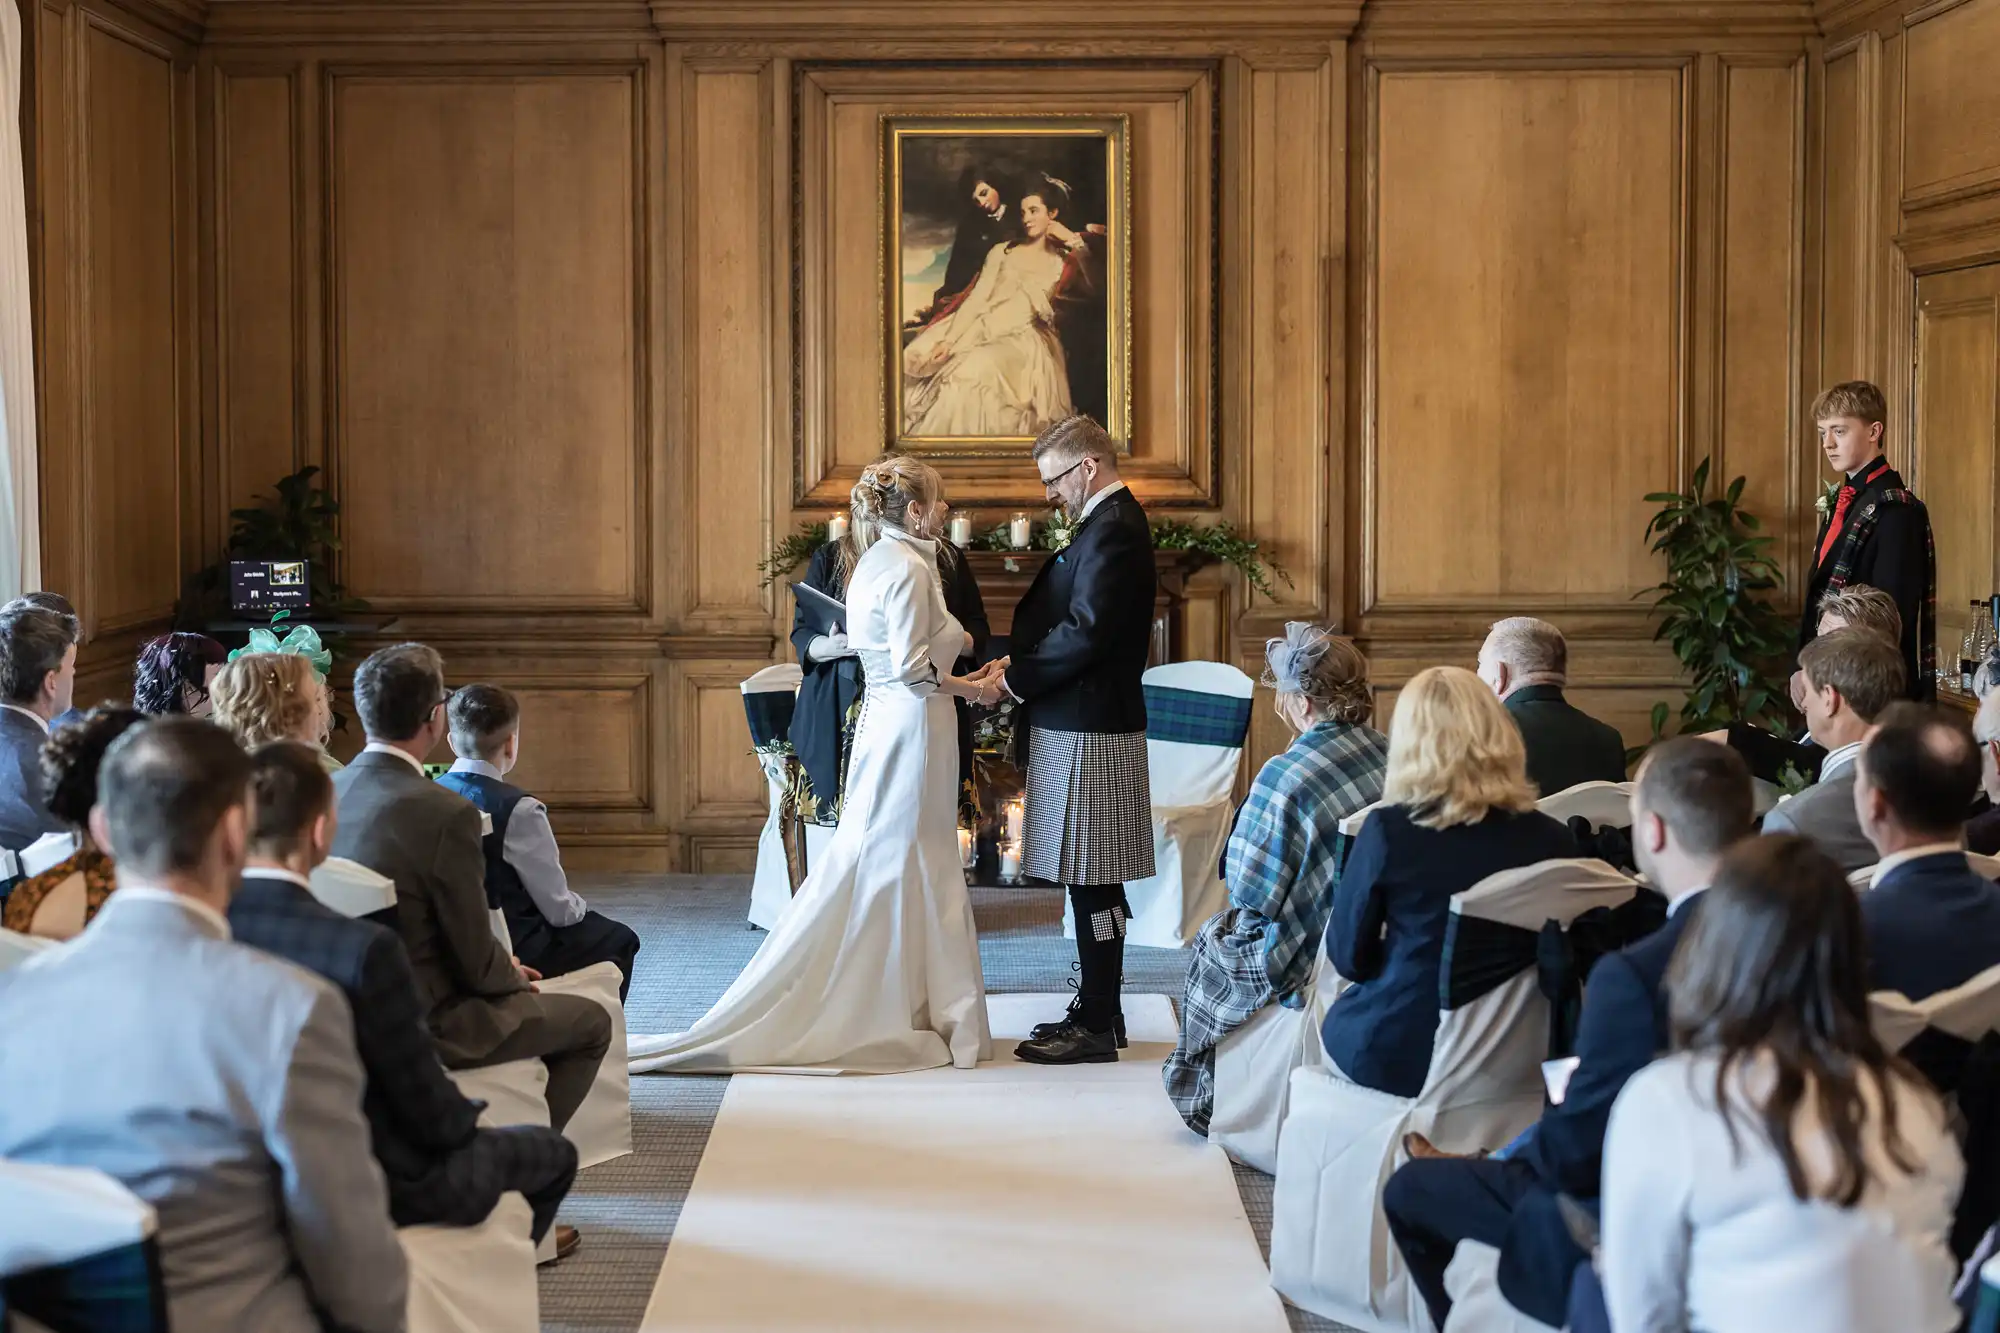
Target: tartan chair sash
1191, 717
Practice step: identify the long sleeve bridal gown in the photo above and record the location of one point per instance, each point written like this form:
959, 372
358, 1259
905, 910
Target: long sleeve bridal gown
874, 968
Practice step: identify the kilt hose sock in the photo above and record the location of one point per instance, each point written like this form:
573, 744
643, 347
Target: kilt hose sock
1100, 911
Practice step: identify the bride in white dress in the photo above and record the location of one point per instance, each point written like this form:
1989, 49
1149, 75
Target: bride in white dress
874, 968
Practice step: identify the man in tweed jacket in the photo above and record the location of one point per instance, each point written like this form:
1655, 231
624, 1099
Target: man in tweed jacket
1080, 642
440, 1166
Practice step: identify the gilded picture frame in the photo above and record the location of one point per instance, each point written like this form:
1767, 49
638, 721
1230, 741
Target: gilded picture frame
1006, 279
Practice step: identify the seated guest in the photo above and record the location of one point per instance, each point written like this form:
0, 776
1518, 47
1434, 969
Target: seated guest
217, 1083
264, 697
1782, 1170
1851, 676
56, 602
1281, 863
1526, 661
58, 903
554, 931
174, 673
1982, 833
1988, 675
37, 677
441, 1168
1932, 923
481, 1004
1692, 802
1459, 808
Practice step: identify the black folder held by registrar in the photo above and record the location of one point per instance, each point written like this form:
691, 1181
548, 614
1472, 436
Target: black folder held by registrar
823, 613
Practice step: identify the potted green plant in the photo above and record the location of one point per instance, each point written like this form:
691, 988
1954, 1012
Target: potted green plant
296, 522
1715, 608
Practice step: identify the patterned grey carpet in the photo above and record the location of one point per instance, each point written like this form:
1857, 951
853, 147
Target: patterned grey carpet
695, 944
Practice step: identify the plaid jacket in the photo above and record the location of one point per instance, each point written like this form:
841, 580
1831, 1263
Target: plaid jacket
416, 1114
1282, 866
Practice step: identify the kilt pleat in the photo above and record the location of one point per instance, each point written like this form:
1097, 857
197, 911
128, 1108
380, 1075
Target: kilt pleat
1089, 816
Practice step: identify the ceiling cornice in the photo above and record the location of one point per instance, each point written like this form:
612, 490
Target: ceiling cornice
1707, 20
907, 23
368, 22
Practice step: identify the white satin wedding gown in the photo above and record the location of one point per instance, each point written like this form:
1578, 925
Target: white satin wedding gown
874, 968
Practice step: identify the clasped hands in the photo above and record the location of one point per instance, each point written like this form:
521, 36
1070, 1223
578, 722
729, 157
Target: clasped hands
983, 686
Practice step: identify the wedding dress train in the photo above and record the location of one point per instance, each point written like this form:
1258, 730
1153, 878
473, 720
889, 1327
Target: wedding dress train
874, 967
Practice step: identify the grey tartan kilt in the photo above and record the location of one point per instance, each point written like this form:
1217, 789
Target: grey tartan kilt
1089, 817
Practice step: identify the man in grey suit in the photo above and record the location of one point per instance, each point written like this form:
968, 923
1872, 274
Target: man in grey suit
1850, 676
218, 1083
482, 1004
37, 678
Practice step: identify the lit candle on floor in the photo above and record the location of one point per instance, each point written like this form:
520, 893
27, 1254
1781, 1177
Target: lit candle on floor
961, 530
836, 527
1017, 532
965, 846
1010, 861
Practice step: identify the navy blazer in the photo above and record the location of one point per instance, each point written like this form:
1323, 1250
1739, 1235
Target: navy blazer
1624, 1026
1387, 929
417, 1116
1084, 630
24, 814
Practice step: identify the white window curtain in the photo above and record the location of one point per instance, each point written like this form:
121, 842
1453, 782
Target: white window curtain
20, 504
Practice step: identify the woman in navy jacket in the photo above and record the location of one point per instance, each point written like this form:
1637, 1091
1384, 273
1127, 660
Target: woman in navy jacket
1457, 807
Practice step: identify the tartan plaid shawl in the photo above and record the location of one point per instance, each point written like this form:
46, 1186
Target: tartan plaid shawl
1858, 530
1282, 870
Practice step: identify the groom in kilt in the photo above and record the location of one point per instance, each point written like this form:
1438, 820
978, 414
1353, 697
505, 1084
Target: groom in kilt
1079, 645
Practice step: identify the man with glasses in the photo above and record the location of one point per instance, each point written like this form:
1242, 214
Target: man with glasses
1080, 641
483, 1006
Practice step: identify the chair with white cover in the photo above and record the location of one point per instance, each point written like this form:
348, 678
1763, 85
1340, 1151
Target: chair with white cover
769, 698
1197, 716
51, 849
352, 889
16, 948
601, 1129
478, 1279
76, 1243
1604, 804
1253, 1070
1331, 1252
1968, 1011
1477, 1305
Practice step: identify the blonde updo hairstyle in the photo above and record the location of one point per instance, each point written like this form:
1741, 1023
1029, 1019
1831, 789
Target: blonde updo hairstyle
263, 697
882, 499
1454, 753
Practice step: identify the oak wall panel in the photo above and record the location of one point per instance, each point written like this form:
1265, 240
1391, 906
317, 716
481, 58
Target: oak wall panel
1951, 110
1525, 367
1845, 216
1757, 354
258, 398
133, 255
486, 334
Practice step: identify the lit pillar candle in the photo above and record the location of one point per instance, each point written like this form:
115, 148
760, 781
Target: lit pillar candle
1017, 532
836, 527
965, 846
961, 530
1010, 861
1016, 818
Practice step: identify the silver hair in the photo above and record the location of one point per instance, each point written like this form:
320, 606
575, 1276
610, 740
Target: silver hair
1531, 647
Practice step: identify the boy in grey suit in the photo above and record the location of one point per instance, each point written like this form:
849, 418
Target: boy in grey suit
482, 1005
1851, 675
218, 1083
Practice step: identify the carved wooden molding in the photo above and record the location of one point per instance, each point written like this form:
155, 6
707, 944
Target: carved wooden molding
917, 21
1592, 18
461, 22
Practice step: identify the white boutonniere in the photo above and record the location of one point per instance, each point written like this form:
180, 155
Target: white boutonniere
1058, 531
1827, 499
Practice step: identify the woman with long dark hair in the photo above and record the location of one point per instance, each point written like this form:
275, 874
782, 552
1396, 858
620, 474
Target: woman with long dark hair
1782, 1169
174, 673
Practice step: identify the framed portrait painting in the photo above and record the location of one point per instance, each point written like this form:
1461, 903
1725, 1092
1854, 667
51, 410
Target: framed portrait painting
1006, 259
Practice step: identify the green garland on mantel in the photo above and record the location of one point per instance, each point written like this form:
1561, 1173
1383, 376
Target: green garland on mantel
1220, 542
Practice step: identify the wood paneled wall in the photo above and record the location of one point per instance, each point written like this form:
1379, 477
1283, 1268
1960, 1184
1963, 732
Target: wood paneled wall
1428, 294
111, 105
1911, 145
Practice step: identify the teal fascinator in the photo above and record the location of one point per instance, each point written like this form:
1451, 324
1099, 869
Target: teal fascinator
303, 641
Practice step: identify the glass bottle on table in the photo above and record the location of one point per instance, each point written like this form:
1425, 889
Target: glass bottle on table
1968, 649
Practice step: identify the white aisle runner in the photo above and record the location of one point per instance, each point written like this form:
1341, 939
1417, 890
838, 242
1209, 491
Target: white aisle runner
1009, 1197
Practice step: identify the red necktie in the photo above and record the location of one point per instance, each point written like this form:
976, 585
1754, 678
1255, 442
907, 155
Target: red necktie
1845, 499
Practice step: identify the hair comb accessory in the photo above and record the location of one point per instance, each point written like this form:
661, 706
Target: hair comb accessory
303, 641
1288, 662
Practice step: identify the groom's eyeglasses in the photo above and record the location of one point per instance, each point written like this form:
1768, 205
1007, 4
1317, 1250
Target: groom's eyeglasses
1049, 483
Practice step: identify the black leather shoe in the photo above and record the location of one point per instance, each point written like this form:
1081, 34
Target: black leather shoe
1043, 1031
1070, 1044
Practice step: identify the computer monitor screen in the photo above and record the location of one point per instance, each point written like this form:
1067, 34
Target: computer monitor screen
270, 585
